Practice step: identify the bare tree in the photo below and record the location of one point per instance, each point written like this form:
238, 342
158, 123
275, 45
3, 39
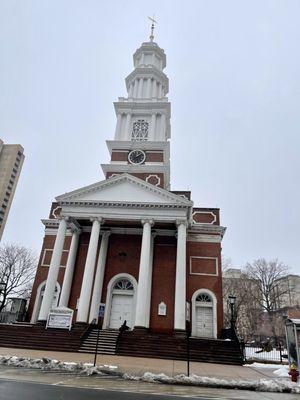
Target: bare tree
267, 277
236, 283
17, 269
268, 286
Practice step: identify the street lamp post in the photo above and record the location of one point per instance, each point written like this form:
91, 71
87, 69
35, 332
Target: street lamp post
232, 300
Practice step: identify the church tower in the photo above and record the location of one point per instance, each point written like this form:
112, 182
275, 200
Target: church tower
140, 146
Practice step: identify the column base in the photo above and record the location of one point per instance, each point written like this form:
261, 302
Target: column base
140, 329
41, 322
180, 333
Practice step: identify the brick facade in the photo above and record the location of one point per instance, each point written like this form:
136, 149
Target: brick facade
123, 256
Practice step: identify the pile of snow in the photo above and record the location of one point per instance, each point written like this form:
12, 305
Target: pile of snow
262, 385
263, 365
47, 364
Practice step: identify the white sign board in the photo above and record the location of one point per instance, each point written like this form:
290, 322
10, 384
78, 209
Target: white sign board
162, 308
101, 310
60, 317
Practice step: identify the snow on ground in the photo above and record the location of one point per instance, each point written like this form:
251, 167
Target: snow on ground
273, 355
46, 364
282, 371
263, 365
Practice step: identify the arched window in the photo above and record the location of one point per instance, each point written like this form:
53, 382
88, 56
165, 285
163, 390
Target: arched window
123, 284
204, 298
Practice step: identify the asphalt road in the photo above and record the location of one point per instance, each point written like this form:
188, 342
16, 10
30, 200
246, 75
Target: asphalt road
30, 384
12, 390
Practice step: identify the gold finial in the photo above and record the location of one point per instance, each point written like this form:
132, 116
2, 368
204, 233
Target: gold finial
152, 27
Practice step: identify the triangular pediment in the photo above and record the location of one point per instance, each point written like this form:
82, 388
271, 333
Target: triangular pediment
123, 189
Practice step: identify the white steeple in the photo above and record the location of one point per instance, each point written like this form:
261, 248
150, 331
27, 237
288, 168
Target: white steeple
146, 108
143, 120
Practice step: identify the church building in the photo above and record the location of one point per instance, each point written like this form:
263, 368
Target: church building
129, 243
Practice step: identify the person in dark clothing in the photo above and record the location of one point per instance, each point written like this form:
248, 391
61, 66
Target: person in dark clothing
123, 327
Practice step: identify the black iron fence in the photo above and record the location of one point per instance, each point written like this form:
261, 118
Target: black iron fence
267, 351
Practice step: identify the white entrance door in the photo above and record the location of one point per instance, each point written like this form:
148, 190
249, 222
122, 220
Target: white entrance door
204, 321
121, 310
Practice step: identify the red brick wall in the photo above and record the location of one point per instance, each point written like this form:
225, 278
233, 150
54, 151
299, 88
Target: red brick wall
150, 156
163, 283
213, 283
142, 176
117, 262
124, 256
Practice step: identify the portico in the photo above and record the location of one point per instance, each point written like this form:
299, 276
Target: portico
167, 210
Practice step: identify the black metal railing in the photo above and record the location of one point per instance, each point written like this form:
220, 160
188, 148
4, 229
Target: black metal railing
267, 351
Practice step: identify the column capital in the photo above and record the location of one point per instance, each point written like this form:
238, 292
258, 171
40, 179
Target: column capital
106, 234
99, 219
182, 222
63, 217
74, 226
149, 221
75, 229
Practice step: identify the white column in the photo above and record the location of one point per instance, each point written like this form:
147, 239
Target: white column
180, 283
159, 90
53, 269
148, 95
148, 303
88, 275
154, 88
127, 133
130, 92
140, 88
143, 58
98, 284
152, 128
135, 89
143, 283
118, 126
163, 127
66, 287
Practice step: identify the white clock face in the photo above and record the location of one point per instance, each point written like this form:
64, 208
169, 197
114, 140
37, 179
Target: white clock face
136, 157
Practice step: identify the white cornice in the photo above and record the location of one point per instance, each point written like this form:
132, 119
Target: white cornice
145, 72
148, 107
207, 228
131, 168
204, 238
144, 145
169, 196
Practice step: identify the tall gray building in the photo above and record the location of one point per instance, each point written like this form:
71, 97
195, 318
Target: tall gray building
11, 161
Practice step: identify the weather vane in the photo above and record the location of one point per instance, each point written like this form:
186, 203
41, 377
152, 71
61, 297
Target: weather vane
152, 27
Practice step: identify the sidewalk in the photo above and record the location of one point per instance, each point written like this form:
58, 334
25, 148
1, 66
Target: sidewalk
138, 366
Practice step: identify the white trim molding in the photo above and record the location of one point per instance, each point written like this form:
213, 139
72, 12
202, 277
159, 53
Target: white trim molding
44, 256
204, 212
204, 258
153, 176
214, 307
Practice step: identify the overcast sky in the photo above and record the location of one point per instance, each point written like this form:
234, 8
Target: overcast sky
234, 70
